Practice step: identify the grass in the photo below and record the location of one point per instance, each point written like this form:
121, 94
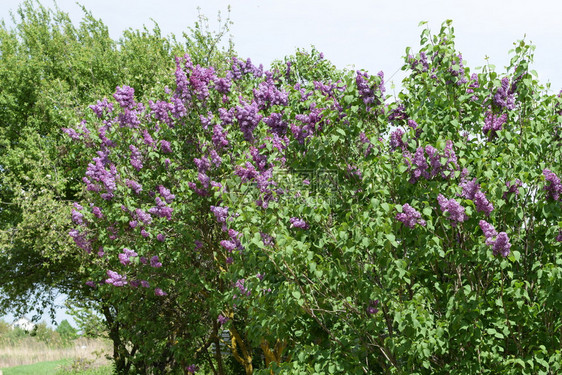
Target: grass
42, 368
81, 353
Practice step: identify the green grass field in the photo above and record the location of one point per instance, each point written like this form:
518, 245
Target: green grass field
59, 367
42, 368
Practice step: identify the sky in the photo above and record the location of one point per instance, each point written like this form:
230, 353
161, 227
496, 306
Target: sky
354, 34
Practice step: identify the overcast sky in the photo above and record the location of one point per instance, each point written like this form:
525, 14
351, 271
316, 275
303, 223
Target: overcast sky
370, 35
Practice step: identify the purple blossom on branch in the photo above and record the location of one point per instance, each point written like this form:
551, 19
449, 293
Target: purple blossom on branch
409, 216
454, 210
298, 223
554, 188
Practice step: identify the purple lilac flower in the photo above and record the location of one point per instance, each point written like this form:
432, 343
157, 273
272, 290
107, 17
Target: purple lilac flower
133, 223
482, 204
372, 308
133, 185
489, 232
90, 283
192, 369
159, 292
77, 217
101, 107
206, 121
115, 279
143, 216
165, 147
493, 123
161, 237
453, 208
559, 237
503, 98
248, 118
223, 85
276, 124
502, 245
240, 285
471, 190
80, 240
136, 158
513, 188
396, 140
366, 92
267, 95
144, 233
160, 111
554, 188
220, 139
409, 216
145, 284
147, 138
229, 260
222, 319
220, 213
97, 212
125, 96
298, 223
228, 245
203, 165
165, 193
161, 209
154, 262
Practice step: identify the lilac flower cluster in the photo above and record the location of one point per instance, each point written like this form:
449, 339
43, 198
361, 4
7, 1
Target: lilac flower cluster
248, 118
81, 240
499, 241
115, 279
234, 242
554, 188
471, 190
126, 255
125, 96
276, 124
241, 288
409, 216
396, 140
493, 123
220, 139
102, 107
134, 186
312, 122
512, 188
474, 84
454, 210
504, 97
241, 68
267, 95
372, 308
420, 64
397, 114
161, 209
298, 223
97, 172
419, 167
366, 91
76, 215
136, 158
459, 72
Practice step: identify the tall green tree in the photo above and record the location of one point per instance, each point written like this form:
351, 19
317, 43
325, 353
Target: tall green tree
51, 70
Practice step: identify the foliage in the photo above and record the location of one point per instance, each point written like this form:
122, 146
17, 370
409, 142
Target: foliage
88, 320
66, 331
50, 71
330, 228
